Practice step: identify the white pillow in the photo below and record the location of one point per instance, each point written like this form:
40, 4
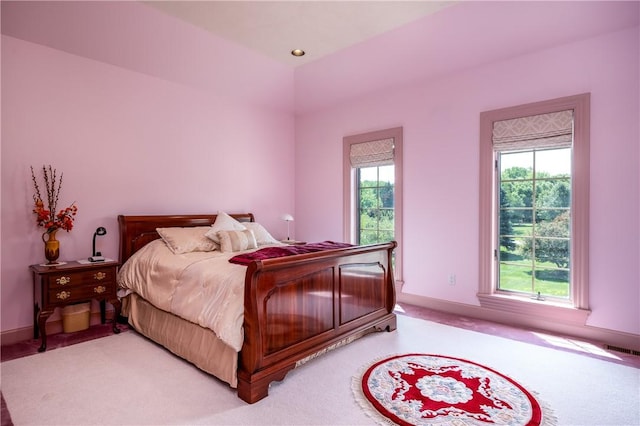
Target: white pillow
237, 240
262, 235
188, 239
223, 222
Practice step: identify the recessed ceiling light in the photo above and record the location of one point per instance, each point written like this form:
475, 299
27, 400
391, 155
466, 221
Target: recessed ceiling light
297, 52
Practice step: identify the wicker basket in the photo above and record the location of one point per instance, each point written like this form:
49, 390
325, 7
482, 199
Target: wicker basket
76, 317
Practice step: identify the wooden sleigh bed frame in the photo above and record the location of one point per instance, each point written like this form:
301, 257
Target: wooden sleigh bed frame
296, 306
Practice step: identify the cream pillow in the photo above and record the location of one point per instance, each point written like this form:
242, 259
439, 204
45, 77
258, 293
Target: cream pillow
186, 240
262, 235
231, 241
223, 222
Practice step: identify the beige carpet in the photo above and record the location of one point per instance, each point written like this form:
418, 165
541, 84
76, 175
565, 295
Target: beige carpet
125, 379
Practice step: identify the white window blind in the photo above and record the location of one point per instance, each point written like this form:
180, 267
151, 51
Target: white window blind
553, 130
372, 153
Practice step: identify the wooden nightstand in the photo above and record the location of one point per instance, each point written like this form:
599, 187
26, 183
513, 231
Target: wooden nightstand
73, 282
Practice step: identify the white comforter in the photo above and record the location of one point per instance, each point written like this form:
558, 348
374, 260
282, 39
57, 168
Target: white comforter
201, 287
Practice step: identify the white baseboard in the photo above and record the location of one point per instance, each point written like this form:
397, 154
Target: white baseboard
595, 334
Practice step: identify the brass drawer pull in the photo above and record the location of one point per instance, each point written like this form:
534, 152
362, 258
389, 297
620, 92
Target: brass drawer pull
99, 276
63, 295
100, 289
63, 280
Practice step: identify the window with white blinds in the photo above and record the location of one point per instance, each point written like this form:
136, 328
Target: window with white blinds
534, 208
373, 189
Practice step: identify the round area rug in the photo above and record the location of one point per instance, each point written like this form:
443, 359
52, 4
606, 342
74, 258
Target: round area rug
420, 389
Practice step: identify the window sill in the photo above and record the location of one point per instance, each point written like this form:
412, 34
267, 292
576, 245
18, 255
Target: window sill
534, 308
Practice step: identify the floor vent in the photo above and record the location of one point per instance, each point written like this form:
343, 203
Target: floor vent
623, 350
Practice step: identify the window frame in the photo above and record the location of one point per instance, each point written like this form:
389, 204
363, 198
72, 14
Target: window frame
578, 309
350, 189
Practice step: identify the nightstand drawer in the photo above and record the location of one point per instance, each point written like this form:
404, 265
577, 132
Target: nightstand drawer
74, 279
80, 293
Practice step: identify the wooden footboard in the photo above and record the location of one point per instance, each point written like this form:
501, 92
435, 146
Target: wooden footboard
296, 306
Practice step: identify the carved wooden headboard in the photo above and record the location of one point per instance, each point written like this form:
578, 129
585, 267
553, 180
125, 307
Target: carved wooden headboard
137, 231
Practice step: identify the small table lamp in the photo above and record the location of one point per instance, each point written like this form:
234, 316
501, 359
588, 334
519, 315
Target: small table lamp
97, 257
287, 218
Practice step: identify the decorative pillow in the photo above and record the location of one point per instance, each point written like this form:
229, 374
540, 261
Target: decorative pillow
231, 241
186, 240
223, 222
262, 235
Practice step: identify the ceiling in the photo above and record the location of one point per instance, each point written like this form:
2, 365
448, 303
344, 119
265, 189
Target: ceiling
320, 28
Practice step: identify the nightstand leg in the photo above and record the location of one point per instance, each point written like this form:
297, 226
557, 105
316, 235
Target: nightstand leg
36, 327
42, 325
117, 307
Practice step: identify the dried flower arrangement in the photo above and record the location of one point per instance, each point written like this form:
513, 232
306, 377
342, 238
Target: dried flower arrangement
44, 217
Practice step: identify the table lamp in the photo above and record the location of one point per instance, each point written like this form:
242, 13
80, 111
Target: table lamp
97, 256
287, 218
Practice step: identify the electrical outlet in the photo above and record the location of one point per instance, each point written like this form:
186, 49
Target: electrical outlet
452, 279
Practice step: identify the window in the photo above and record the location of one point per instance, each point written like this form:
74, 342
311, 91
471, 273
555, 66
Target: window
534, 208
373, 189
375, 203
534, 215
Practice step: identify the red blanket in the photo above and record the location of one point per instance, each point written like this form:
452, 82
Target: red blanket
280, 251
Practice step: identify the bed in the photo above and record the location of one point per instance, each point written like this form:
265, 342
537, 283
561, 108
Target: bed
293, 308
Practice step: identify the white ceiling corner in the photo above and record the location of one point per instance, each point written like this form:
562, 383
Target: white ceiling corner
275, 28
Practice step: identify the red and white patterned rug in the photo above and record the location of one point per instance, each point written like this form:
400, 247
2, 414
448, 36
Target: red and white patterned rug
421, 389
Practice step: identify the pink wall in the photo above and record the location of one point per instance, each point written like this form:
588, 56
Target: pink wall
440, 117
466, 35
135, 142
138, 37
145, 114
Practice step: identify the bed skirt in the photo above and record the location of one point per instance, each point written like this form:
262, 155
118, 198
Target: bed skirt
198, 345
